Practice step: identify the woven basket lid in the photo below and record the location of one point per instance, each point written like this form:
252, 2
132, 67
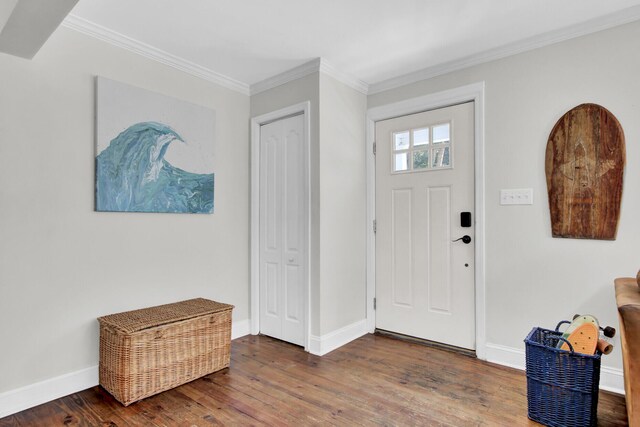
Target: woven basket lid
145, 318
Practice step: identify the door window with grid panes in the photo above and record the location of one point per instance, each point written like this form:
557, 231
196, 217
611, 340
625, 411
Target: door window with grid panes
422, 149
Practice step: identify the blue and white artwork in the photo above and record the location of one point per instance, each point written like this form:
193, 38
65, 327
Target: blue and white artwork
154, 152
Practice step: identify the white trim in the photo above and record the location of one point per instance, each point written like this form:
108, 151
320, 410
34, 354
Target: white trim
17, 400
313, 66
240, 328
295, 73
592, 26
256, 122
120, 40
371, 216
26, 397
611, 379
349, 80
505, 356
473, 92
333, 340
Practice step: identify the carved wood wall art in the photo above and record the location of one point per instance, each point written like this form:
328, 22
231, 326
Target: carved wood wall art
584, 166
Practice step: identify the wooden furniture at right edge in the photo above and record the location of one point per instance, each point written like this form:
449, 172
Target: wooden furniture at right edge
628, 301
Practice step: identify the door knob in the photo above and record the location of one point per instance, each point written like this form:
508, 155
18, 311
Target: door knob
466, 239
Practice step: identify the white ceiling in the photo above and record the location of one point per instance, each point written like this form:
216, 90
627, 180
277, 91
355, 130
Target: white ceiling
372, 40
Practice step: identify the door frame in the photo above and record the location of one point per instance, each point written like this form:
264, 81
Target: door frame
301, 108
472, 92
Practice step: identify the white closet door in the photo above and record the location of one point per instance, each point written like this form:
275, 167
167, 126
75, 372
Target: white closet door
282, 230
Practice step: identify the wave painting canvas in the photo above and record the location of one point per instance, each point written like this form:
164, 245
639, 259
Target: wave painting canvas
154, 152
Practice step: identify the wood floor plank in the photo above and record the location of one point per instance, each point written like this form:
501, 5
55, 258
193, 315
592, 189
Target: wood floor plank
321, 395
301, 407
387, 383
372, 381
347, 389
446, 386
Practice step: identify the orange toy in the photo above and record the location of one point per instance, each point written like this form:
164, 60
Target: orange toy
584, 339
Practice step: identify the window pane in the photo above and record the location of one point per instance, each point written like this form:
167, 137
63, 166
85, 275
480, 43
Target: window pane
401, 141
421, 159
420, 137
401, 161
441, 157
441, 133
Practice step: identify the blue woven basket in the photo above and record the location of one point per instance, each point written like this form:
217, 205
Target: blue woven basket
562, 386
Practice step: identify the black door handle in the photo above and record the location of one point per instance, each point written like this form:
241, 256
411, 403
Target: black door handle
466, 239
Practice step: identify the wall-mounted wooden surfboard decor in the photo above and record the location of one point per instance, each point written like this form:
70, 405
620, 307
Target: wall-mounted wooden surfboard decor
584, 166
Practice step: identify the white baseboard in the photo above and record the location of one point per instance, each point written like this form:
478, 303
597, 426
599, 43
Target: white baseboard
331, 341
611, 379
505, 356
26, 397
240, 328
17, 400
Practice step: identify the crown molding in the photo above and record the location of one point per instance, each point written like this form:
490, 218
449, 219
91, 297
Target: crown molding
104, 34
321, 65
588, 27
348, 79
292, 74
314, 66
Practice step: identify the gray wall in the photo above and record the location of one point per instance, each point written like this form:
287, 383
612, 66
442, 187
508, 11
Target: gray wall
343, 208
531, 278
62, 264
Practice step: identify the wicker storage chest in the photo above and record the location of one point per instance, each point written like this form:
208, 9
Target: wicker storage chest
144, 352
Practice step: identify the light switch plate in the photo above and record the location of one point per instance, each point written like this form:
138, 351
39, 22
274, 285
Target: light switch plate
516, 196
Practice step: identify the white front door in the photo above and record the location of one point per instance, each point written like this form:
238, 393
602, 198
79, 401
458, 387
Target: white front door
424, 181
283, 230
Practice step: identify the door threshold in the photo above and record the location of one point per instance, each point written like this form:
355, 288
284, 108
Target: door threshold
426, 343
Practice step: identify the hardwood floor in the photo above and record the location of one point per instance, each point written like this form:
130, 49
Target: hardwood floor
374, 380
